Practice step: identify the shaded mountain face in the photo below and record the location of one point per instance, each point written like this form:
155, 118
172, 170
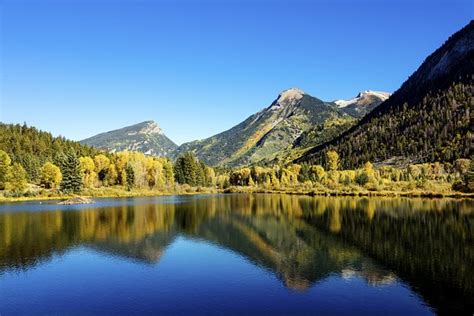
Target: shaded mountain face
265, 134
146, 137
428, 119
363, 103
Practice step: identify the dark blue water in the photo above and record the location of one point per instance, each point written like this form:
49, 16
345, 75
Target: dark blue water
237, 254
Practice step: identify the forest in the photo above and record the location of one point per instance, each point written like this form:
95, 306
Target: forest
33, 164
438, 128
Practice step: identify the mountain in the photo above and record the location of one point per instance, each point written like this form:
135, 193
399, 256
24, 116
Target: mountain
267, 133
146, 137
363, 103
429, 118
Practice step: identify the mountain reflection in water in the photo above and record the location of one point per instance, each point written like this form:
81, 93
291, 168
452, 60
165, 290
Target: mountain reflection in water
303, 240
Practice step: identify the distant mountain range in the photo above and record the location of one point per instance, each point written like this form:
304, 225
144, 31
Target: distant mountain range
262, 136
293, 122
146, 137
427, 119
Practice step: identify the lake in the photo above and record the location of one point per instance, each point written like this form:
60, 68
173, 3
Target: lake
238, 254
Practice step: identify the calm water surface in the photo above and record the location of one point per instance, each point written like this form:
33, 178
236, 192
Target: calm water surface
238, 254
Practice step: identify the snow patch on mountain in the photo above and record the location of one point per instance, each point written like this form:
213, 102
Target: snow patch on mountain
380, 94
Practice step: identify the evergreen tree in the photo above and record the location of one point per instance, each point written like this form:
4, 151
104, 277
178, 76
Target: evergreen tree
130, 176
188, 170
32, 148
201, 174
436, 128
71, 171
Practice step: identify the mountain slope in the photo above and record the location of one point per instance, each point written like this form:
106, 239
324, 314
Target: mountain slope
428, 119
363, 103
146, 137
265, 134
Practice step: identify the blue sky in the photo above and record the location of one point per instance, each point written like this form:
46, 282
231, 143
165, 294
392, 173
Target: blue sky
77, 68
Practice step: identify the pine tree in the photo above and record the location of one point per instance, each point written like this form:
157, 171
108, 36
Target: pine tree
189, 170
200, 174
71, 171
130, 176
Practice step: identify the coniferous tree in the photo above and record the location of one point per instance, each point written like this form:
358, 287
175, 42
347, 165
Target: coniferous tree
71, 172
201, 174
130, 176
188, 170
437, 128
32, 148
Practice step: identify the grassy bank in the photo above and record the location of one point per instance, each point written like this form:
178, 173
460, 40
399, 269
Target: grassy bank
106, 192
327, 192
439, 190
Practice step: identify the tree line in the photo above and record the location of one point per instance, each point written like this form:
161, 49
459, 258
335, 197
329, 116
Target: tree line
57, 164
459, 174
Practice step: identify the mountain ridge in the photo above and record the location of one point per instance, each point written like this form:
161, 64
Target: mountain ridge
293, 122
363, 103
431, 106
263, 135
146, 137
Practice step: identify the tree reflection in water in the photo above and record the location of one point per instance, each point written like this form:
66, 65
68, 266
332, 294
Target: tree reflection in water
303, 240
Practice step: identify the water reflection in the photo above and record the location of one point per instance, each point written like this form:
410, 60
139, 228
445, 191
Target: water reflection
426, 243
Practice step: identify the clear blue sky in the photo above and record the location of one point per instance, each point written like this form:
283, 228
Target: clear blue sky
77, 68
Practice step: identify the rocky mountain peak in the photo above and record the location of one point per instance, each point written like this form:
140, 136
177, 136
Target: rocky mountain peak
147, 128
287, 97
361, 96
363, 103
146, 137
381, 94
290, 94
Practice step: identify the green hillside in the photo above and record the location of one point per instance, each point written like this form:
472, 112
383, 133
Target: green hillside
430, 118
270, 133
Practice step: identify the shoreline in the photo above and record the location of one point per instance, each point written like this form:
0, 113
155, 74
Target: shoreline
426, 194
83, 195
247, 190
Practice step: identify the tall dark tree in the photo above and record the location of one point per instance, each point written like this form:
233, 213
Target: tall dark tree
130, 176
201, 175
71, 171
188, 170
